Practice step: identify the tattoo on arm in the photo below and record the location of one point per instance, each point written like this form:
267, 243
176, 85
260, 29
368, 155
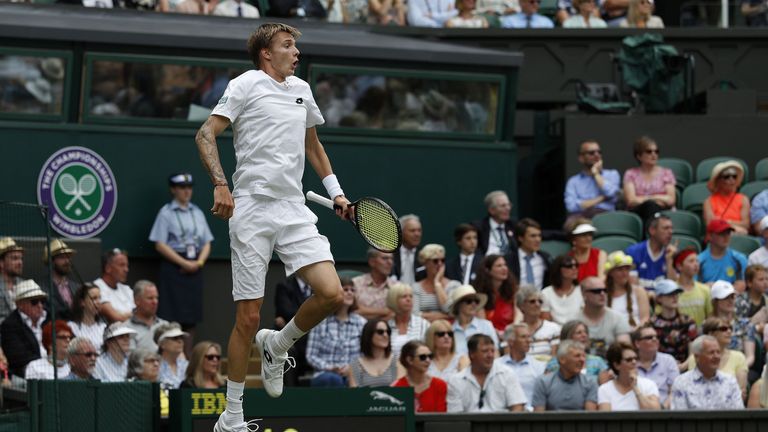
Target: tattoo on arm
209, 152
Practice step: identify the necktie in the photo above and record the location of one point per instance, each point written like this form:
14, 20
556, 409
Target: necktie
529, 270
528, 19
239, 10
503, 245
465, 270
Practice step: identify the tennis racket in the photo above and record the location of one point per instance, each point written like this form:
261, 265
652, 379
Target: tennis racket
375, 221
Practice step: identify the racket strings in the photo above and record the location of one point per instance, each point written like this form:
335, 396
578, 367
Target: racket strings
378, 225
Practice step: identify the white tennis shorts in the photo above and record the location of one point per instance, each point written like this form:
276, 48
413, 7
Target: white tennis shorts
261, 225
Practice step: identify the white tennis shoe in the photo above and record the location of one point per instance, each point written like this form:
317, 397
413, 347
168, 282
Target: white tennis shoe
272, 364
249, 426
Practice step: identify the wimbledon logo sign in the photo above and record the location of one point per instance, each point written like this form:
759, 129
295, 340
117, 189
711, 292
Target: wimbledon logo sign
80, 191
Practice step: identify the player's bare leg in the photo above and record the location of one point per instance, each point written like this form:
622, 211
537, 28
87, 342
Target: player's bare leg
274, 345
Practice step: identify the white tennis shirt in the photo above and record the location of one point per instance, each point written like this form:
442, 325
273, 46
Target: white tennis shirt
269, 120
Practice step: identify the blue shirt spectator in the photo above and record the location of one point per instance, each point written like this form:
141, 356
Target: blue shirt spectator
759, 208
663, 372
179, 226
430, 13
729, 268
649, 256
334, 344
477, 325
527, 370
521, 20
582, 187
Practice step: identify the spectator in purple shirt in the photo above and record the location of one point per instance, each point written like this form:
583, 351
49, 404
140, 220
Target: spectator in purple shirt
657, 366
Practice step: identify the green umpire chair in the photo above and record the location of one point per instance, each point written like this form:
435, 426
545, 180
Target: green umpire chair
555, 248
753, 188
681, 168
613, 243
745, 244
685, 241
694, 196
685, 222
761, 170
618, 223
704, 168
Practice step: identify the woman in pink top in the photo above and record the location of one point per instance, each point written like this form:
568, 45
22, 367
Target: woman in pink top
726, 202
648, 188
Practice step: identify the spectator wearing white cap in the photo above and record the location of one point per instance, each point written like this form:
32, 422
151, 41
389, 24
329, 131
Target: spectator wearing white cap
675, 330
465, 303
112, 364
183, 238
21, 332
144, 319
64, 288
760, 255
170, 341
591, 260
724, 307
11, 267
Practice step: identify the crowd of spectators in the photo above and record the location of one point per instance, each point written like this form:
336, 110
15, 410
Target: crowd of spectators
448, 13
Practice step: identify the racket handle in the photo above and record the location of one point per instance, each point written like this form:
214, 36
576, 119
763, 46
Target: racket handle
323, 201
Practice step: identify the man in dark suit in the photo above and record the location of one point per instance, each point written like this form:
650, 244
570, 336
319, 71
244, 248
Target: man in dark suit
495, 232
289, 296
463, 266
406, 267
64, 288
21, 333
527, 261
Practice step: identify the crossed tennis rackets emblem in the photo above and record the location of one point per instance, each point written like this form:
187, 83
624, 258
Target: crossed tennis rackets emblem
77, 189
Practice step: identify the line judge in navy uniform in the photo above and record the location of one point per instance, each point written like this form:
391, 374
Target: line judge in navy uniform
182, 236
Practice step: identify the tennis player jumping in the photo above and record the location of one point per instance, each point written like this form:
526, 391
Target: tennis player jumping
273, 115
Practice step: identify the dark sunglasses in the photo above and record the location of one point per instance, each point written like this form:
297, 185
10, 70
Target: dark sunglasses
37, 301
425, 357
724, 328
438, 260
212, 357
651, 151
88, 354
570, 264
729, 177
649, 337
591, 152
443, 333
629, 359
472, 300
598, 291
383, 332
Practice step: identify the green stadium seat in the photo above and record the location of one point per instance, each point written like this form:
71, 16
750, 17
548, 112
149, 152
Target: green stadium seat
761, 170
684, 241
753, 188
348, 273
694, 196
613, 243
685, 222
493, 20
548, 8
263, 6
745, 244
681, 168
555, 248
678, 196
618, 223
704, 168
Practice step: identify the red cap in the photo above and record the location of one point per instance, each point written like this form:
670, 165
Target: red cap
718, 226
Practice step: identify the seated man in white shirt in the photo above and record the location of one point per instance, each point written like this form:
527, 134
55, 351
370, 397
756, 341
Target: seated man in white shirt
484, 386
526, 368
236, 8
116, 297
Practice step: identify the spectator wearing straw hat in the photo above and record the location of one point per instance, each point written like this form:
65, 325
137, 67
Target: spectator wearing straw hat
464, 305
112, 364
173, 367
45, 367
21, 332
64, 288
182, 236
726, 203
11, 267
718, 261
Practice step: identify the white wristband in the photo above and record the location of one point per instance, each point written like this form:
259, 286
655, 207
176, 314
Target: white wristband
332, 186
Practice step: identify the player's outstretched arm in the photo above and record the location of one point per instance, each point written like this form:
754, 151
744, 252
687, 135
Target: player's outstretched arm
322, 166
223, 204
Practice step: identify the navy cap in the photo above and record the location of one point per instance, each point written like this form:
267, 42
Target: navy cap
181, 179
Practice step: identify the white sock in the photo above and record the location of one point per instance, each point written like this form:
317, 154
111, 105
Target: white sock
285, 338
235, 401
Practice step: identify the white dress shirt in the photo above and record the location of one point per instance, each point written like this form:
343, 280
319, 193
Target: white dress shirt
407, 257
229, 8
494, 238
501, 391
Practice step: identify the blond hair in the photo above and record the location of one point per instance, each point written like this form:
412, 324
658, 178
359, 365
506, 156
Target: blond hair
436, 326
431, 251
195, 367
262, 38
394, 293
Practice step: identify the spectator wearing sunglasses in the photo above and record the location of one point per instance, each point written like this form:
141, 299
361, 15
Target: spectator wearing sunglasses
407, 324
649, 188
725, 202
431, 293
484, 386
377, 366
591, 260
640, 15
429, 392
528, 17
446, 362
627, 391
335, 342
544, 335
659, 367
562, 300
594, 189
525, 367
82, 357
43, 368
567, 389
674, 329
21, 333
465, 305
732, 362
204, 370
605, 325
